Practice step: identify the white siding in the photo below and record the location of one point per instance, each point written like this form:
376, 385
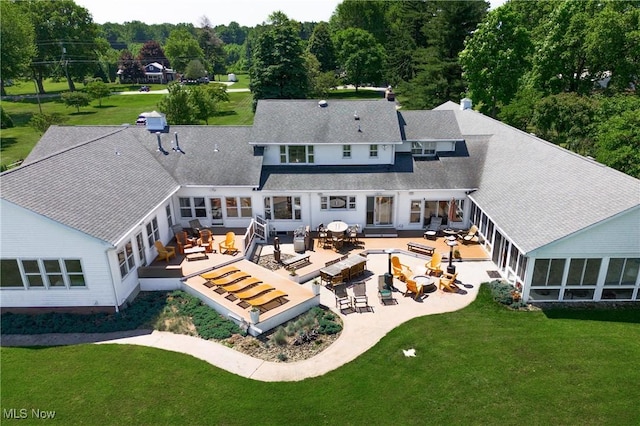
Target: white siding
332, 155
616, 237
26, 235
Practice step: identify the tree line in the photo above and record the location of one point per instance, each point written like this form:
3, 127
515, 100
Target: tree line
566, 70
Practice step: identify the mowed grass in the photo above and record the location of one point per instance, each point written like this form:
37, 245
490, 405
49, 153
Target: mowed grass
481, 365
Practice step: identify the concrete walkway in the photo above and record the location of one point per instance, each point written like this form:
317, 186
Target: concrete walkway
361, 330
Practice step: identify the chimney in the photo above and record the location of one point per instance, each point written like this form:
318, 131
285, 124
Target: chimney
465, 103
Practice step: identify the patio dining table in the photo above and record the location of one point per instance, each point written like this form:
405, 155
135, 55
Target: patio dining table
348, 268
337, 226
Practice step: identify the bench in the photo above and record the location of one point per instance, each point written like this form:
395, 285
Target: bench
417, 247
296, 261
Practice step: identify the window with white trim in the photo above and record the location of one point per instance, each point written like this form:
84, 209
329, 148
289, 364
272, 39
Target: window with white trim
346, 151
167, 209
422, 149
622, 271
337, 202
239, 206
373, 151
153, 234
140, 243
548, 272
192, 207
414, 211
126, 259
41, 273
583, 272
296, 154
282, 208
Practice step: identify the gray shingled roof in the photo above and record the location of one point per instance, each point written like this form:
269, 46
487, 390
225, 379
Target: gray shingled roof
461, 170
537, 192
304, 122
429, 125
103, 185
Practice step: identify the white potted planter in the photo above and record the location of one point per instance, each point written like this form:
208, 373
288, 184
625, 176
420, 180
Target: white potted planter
315, 286
254, 313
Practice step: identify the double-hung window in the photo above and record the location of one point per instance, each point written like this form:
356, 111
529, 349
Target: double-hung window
422, 149
41, 273
153, 234
192, 207
239, 207
296, 154
373, 151
346, 151
126, 259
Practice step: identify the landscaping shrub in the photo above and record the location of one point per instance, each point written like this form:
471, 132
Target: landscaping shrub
506, 294
279, 337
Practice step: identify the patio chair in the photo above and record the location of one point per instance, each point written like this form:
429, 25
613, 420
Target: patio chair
322, 235
242, 285
228, 245
183, 241
165, 252
469, 236
448, 282
342, 297
219, 273
206, 240
434, 266
360, 299
434, 225
384, 293
253, 291
261, 301
400, 270
412, 287
230, 279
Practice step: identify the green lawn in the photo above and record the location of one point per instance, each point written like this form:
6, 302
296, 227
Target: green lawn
481, 365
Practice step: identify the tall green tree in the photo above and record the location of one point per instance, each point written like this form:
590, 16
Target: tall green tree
75, 99
278, 68
130, 68
618, 135
195, 70
495, 58
359, 56
212, 48
65, 40
321, 46
368, 15
177, 105
17, 37
181, 48
97, 89
203, 102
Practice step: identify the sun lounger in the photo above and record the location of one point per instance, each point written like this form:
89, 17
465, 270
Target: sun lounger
259, 302
244, 284
230, 279
219, 273
253, 292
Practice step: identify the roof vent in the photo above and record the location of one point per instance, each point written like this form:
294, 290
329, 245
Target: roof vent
465, 103
323, 104
356, 116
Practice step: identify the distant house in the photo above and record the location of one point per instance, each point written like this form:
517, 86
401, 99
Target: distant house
82, 213
154, 73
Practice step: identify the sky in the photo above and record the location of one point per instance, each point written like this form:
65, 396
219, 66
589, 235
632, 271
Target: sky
245, 12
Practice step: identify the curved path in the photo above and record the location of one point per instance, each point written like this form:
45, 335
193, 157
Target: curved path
361, 330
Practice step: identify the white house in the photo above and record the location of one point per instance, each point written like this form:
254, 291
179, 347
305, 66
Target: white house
83, 211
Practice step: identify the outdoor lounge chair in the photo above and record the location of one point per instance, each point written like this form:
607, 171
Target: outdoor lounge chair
219, 273
470, 235
342, 297
183, 241
360, 299
246, 295
206, 240
400, 270
384, 293
448, 282
412, 287
230, 279
165, 252
434, 266
242, 285
229, 244
271, 296
434, 225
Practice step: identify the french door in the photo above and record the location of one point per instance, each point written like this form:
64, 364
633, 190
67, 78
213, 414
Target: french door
216, 211
379, 211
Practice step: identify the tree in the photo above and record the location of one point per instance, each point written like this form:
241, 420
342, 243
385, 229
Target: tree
368, 15
195, 70
359, 56
181, 48
212, 48
278, 69
97, 89
75, 99
618, 142
150, 52
17, 36
130, 69
321, 46
203, 102
177, 106
65, 39
41, 122
495, 58
6, 122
